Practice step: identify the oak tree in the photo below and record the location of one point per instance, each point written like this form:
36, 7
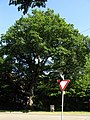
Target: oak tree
36, 49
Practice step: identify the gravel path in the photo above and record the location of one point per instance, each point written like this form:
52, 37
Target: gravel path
35, 116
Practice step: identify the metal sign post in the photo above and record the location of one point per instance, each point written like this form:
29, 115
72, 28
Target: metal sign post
63, 92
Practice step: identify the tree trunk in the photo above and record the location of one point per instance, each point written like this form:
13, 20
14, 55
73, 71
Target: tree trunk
30, 98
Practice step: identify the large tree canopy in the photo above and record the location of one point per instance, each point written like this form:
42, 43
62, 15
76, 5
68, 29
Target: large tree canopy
37, 49
25, 4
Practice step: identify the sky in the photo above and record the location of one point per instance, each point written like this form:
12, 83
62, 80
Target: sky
76, 12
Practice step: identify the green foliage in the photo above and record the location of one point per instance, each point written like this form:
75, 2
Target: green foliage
33, 53
81, 87
83, 84
25, 4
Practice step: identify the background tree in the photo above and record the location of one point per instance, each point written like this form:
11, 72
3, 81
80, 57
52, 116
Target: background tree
25, 4
35, 50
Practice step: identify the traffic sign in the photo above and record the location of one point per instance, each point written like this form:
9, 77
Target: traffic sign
63, 84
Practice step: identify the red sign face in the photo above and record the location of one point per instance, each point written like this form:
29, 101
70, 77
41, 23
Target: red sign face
63, 84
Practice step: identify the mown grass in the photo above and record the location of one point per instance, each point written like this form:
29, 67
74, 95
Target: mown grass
49, 113
57, 113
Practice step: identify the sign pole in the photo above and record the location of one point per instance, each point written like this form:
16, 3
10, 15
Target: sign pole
62, 104
63, 84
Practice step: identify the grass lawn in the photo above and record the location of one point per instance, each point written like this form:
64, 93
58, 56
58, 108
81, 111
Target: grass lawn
50, 113
65, 113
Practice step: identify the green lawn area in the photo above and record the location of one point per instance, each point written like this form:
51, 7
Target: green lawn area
65, 113
50, 113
